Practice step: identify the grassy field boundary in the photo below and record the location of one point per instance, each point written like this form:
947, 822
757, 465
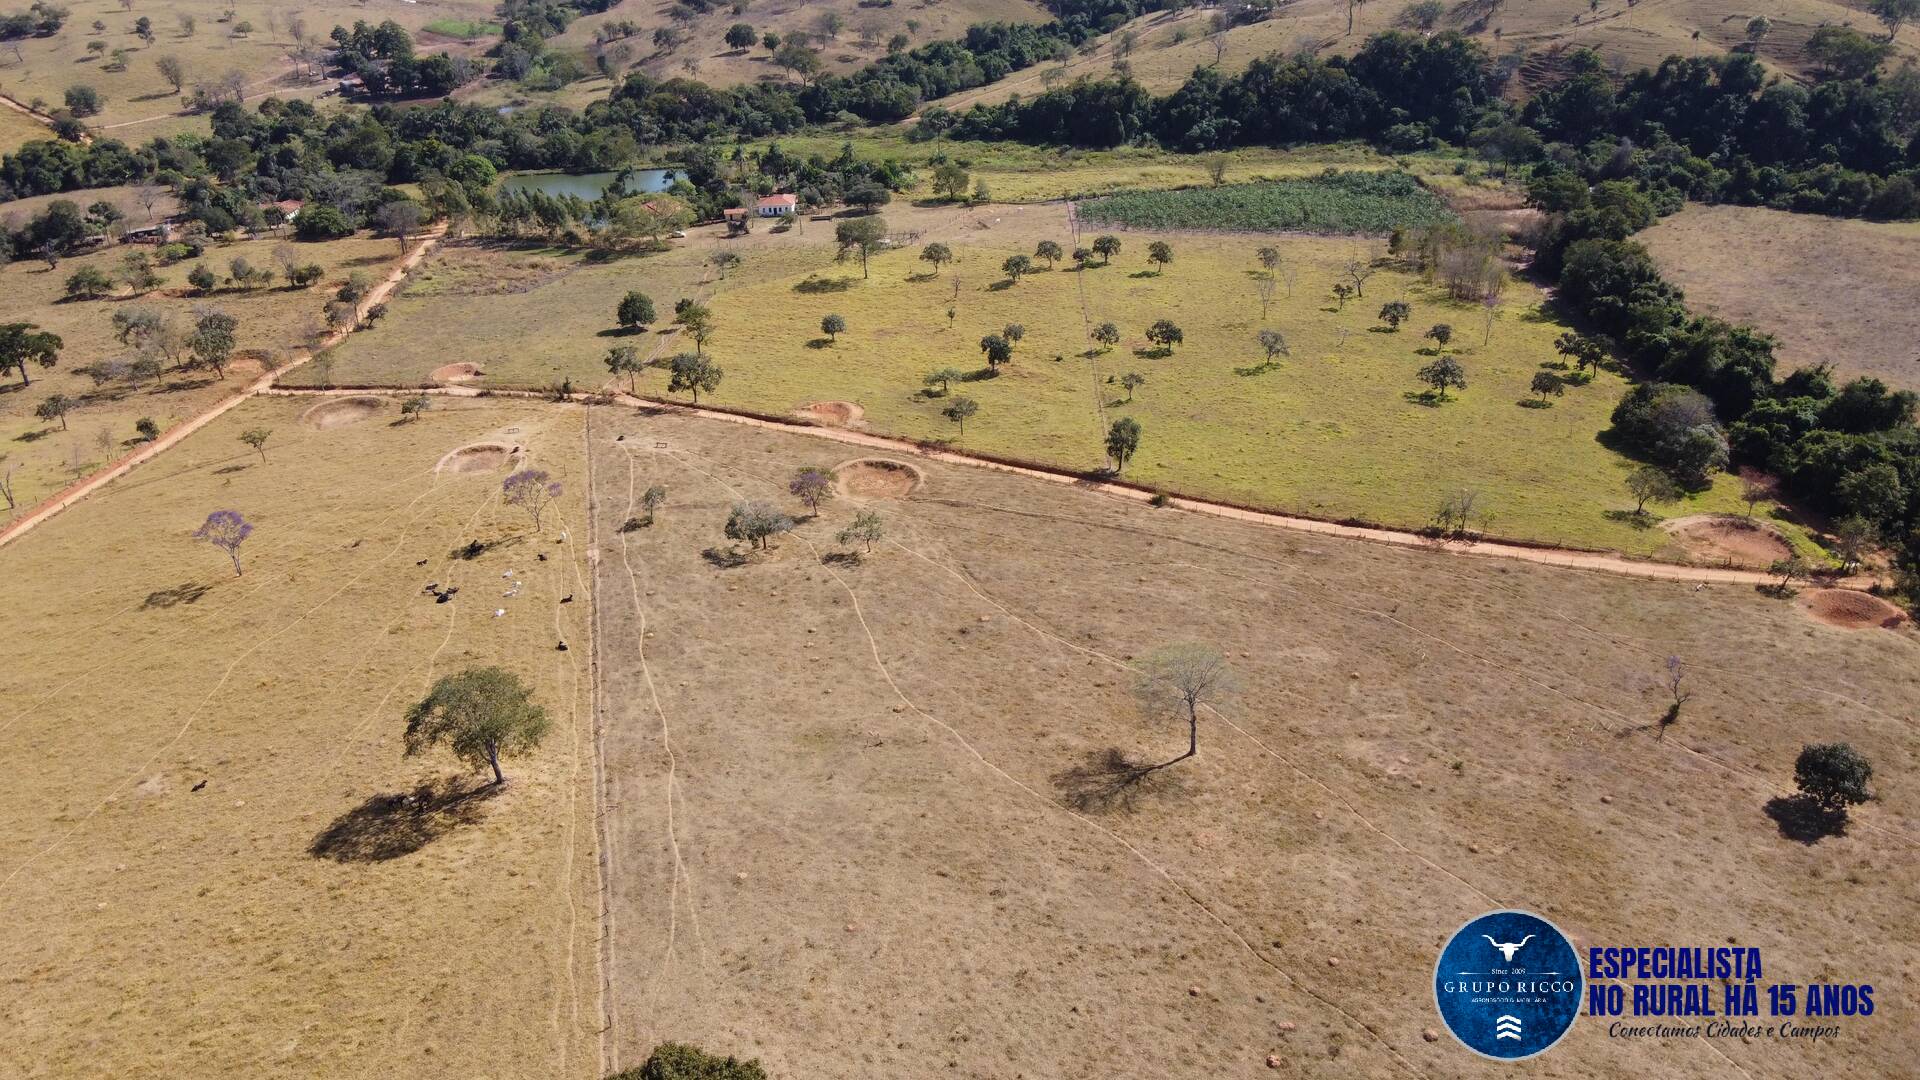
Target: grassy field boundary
1349, 528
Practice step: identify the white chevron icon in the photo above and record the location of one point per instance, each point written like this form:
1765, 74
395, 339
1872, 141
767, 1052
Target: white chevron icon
1506, 1027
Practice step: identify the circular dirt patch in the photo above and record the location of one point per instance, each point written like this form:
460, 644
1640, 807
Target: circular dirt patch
340, 412
877, 478
477, 458
456, 373
831, 413
1723, 537
1850, 610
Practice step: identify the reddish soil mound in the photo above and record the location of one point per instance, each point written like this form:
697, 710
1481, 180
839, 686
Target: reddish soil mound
456, 373
877, 478
477, 458
340, 412
1850, 610
832, 413
1721, 538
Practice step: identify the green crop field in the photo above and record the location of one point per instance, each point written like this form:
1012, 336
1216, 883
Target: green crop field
1352, 202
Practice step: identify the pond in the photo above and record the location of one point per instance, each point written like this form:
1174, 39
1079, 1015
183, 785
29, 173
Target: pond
588, 186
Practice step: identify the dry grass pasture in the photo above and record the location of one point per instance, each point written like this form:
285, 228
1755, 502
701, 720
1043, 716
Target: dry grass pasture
1834, 291
17, 129
1329, 432
140, 104
862, 820
275, 322
209, 859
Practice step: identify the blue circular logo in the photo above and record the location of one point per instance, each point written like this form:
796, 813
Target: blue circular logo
1508, 985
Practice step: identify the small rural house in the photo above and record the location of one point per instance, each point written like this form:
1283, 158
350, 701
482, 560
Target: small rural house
775, 206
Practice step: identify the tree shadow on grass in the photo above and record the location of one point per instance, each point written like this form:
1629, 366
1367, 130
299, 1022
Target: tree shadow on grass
1426, 398
1802, 819
819, 343
1109, 781
397, 824
816, 286
725, 558
1630, 517
187, 593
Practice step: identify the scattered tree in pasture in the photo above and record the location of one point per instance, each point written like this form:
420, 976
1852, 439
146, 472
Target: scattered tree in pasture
833, 326
1342, 292
693, 374
1269, 258
1107, 335
1894, 14
1853, 537
88, 283
937, 254
481, 714
202, 278
1455, 516
56, 407
411, 408
860, 236
757, 523
1395, 312
998, 350
679, 1061
697, 321
724, 261
1650, 483
1274, 344
1181, 680
1165, 334
740, 36
652, 499
951, 179
1015, 266
1584, 351
635, 310
146, 429
951, 312
531, 490
813, 486
226, 530
867, 529
1789, 570
257, 438
1048, 250
1123, 441
400, 219
944, 378
1547, 384
1014, 333
1833, 775
212, 339
1160, 254
1358, 271
1440, 334
1444, 372
1106, 247
1132, 381
1081, 257
959, 410
625, 360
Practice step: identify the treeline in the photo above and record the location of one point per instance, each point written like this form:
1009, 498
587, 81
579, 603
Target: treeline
1709, 128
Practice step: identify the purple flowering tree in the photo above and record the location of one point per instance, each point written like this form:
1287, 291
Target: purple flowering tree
530, 490
226, 530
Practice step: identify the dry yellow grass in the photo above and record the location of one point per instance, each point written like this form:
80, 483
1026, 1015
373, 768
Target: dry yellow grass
1833, 291
834, 777
273, 323
288, 918
17, 128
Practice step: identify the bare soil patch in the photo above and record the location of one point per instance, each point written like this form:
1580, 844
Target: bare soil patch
1724, 538
341, 412
1851, 610
878, 478
476, 458
832, 413
456, 373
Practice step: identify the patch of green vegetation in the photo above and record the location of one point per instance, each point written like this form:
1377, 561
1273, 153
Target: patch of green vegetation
1334, 202
462, 28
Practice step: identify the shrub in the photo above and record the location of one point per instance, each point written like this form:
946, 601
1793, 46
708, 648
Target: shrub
322, 223
677, 1061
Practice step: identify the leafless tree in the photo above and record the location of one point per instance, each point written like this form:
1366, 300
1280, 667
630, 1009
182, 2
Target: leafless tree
1181, 680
